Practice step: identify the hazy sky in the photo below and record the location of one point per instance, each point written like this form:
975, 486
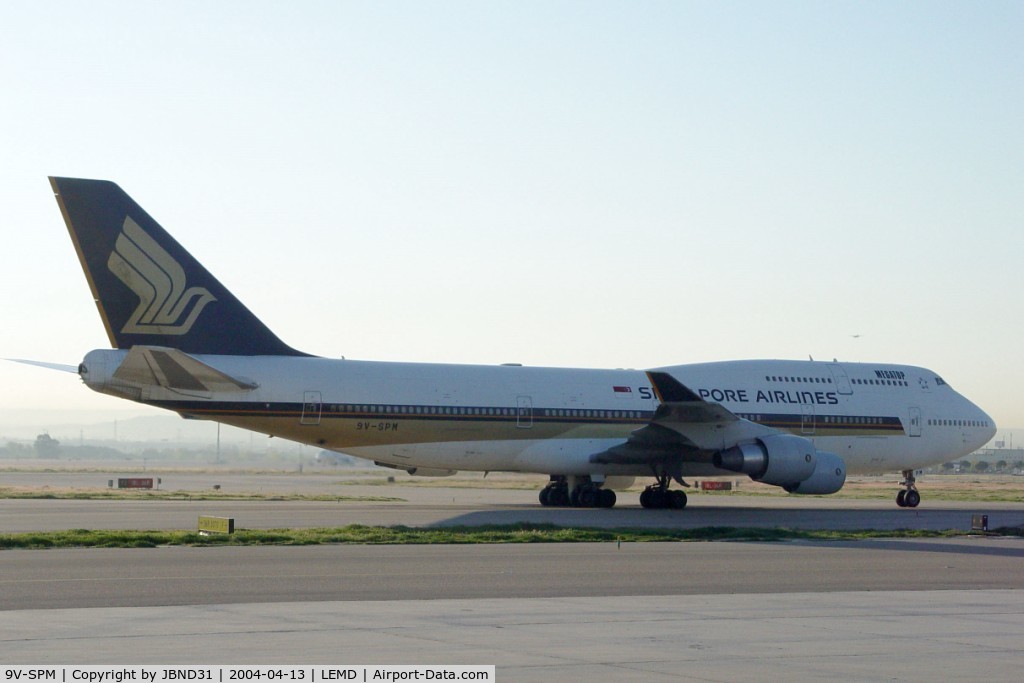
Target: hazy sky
594, 184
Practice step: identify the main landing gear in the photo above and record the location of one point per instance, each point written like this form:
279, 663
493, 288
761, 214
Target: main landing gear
908, 497
658, 496
581, 492
584, 494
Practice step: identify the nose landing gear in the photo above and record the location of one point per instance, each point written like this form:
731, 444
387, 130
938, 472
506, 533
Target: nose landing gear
908, 497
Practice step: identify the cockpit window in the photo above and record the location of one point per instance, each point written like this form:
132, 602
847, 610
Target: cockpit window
940, 382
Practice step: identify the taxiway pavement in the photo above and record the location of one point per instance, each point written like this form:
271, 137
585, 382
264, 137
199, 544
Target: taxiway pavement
85, 578
935, 609
473, 507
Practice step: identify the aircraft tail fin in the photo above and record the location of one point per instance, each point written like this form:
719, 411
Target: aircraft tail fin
149, 290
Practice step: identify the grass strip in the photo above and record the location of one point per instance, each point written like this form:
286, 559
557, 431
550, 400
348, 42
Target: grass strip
122, 494
399, 535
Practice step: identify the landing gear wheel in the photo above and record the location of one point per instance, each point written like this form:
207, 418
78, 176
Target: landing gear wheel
663, 499
606, 498
657, 496
555, 494
654, 498
559, 497
586, 496
909, 496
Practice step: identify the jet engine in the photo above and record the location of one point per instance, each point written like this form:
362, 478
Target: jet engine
828, 477
785, 460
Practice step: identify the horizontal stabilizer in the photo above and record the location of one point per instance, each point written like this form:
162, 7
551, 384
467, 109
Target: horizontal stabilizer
174, 369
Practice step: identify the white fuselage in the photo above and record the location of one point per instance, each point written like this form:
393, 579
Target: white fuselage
431, 417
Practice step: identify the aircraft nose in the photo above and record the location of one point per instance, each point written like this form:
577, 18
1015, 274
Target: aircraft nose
988, 429
991, 431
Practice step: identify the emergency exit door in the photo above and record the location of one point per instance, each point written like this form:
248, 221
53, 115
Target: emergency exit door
311, 408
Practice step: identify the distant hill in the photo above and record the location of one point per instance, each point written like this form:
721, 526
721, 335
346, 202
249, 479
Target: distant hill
75, 429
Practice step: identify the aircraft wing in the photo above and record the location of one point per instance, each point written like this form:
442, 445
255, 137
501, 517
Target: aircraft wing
685, 431
685, 428
176, 370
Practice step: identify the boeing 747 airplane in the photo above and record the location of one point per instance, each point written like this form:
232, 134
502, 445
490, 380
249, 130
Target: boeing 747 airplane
181, 341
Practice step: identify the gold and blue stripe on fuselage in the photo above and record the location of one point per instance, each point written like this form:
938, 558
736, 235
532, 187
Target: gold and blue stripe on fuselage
341, 425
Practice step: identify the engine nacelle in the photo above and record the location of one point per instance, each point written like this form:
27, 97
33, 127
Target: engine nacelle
829, 476
778, 459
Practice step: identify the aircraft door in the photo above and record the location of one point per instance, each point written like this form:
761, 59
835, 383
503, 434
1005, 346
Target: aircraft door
311, 408
841, 379
524, 412
807, 418
915, 422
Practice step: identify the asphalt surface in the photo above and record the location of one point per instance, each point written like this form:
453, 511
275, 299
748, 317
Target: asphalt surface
444, 505
472, 507
916, 610
81, 578
925, 636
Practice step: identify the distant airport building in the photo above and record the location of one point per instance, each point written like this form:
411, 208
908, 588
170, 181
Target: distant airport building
998, 459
